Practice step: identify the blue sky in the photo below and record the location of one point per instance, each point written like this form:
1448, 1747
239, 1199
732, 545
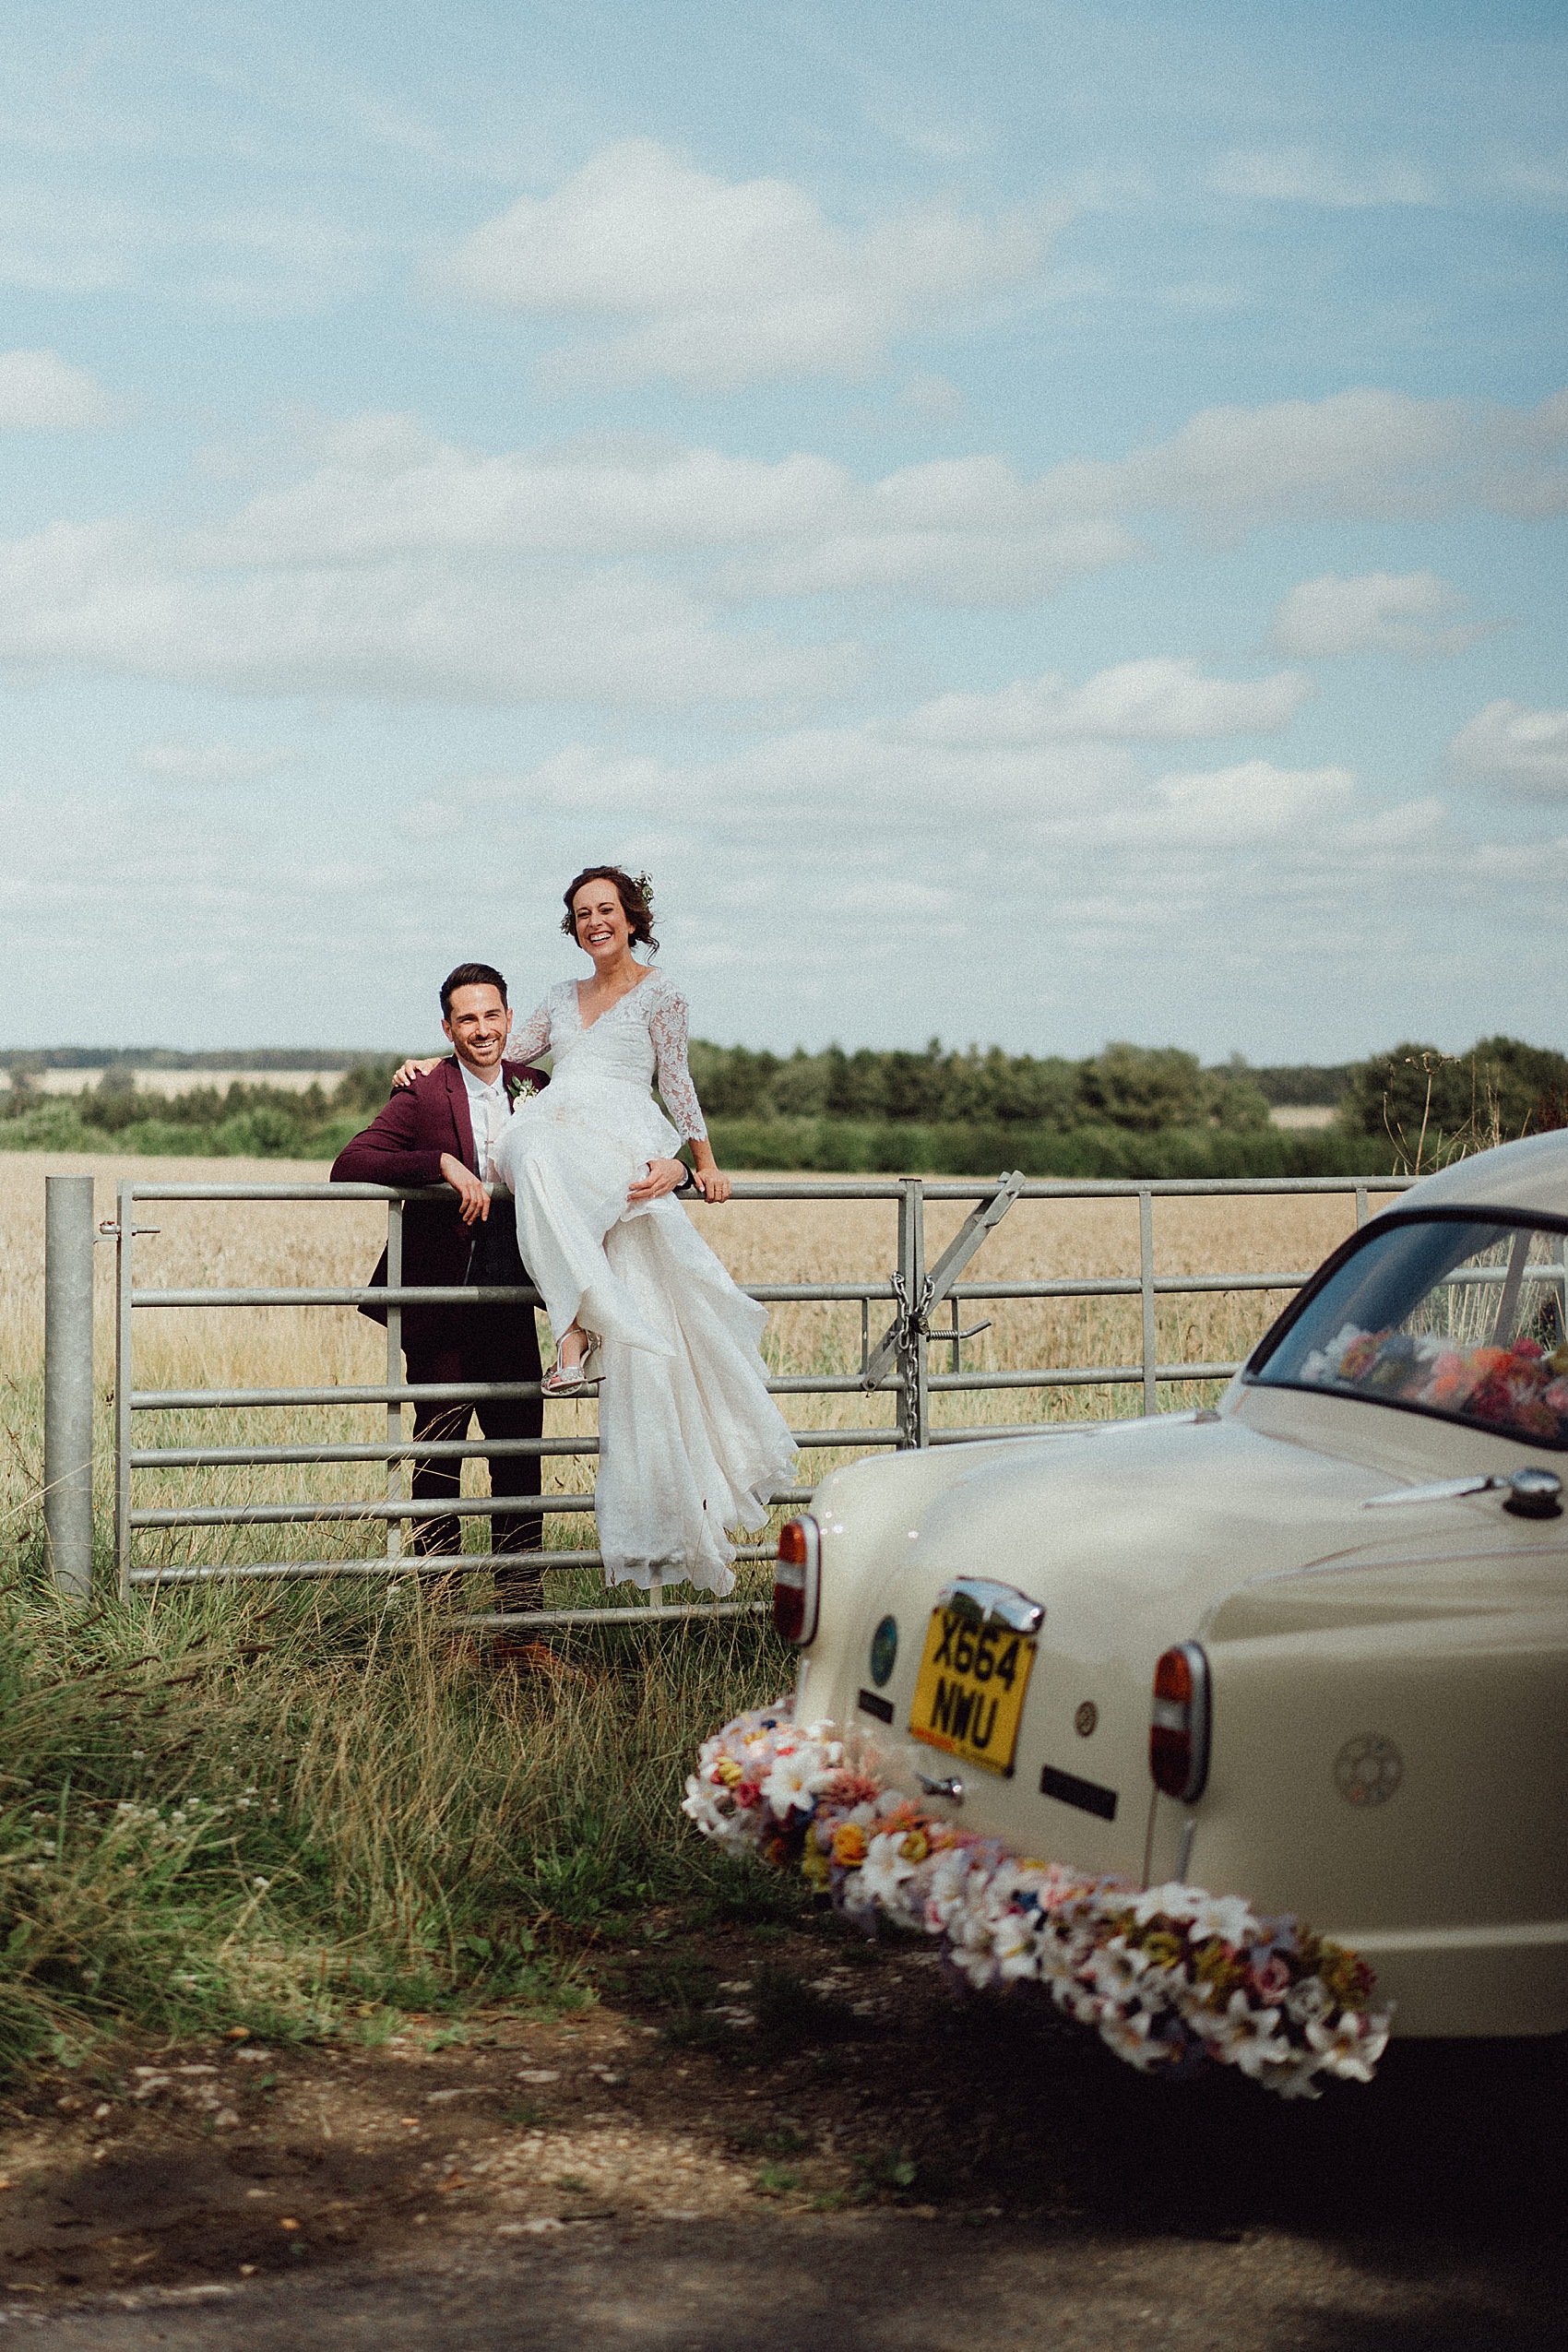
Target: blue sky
1033, 523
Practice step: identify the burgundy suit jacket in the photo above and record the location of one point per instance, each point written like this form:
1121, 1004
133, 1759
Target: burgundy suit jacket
403, 1145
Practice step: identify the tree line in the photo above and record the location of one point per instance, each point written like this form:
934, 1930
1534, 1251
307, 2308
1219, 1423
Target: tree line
1499, 1082
1141, 1088
1126, 1110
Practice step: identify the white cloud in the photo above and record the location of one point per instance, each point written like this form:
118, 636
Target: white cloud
1257, 801
1304, 176
715, 284
1365, 453
1073, 792
857, 780
383, 496
960, 530
1521, 753
210, 763
257, 261
1135, 701
1402, 612
387, 491
39, 392
110, 597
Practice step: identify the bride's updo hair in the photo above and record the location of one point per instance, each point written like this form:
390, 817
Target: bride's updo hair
636, 893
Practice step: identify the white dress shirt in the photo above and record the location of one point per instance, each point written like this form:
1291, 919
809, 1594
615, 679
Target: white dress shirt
489, 1112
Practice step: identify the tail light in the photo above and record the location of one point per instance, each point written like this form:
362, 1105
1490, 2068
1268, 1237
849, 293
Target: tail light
1178, 1738
797, 1579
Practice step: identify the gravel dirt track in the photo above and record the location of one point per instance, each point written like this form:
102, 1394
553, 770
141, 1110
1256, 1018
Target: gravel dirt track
774, 2140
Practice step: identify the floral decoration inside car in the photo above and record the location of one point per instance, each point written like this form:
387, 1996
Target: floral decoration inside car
1174, 1979
1519, 1388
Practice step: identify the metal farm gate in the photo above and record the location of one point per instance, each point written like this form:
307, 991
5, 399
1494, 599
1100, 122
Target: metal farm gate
896, 1361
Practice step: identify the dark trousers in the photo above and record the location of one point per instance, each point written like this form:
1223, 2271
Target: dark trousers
496, 1345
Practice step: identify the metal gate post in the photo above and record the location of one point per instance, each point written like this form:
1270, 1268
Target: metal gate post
1145, 1285
67, 1382
124, 1232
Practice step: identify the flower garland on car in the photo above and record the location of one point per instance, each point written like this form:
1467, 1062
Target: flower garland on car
1173, 1978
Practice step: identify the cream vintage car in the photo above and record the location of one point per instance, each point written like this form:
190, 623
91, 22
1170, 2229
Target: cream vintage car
1308, 1647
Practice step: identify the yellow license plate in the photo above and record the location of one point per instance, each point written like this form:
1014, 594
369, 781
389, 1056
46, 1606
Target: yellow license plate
969, 1692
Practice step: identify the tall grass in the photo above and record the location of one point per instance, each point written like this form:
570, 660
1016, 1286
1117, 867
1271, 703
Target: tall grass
287, 1811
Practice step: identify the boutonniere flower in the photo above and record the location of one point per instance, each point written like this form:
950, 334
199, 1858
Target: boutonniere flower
520, 1089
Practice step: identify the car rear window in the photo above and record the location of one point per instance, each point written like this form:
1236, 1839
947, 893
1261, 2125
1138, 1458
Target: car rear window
1462, 1317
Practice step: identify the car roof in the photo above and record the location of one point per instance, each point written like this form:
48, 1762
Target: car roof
1530, 1175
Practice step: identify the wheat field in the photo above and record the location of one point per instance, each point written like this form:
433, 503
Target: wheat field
300, 1243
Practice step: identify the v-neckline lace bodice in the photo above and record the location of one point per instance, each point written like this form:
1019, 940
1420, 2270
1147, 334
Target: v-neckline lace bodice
626, 994
657, 1009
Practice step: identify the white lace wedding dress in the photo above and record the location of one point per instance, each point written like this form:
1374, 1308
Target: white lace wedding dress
691, 1444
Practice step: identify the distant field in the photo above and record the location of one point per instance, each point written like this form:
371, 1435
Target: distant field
169, 1083
1302, 1114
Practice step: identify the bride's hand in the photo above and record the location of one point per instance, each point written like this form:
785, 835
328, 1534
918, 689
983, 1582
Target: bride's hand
663, 1176
713, 1187
407, 1072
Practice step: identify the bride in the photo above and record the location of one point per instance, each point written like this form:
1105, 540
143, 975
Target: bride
691, 1444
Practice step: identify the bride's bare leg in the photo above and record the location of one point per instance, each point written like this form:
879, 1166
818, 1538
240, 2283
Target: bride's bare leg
571, 1350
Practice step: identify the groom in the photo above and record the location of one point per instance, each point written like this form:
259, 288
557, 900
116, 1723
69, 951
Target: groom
444, 1127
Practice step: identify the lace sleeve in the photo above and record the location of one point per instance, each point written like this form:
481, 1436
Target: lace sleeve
533, 1039
667, 1027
